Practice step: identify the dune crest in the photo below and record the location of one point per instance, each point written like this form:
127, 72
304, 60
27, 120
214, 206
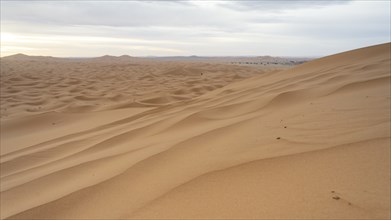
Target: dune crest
308, 142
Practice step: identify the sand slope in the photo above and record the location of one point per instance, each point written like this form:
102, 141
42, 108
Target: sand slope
308, 142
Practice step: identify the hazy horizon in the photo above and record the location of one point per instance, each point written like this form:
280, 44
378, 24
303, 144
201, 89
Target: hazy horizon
152, 56
186, 28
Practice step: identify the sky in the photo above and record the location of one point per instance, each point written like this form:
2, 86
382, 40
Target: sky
184, 28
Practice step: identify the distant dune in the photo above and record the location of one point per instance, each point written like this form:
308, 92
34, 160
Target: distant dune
254, 61
33, 84
153, 139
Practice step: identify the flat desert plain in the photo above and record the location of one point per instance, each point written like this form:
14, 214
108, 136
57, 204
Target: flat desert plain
125, 137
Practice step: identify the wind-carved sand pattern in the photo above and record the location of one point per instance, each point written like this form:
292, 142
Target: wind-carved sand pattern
109, 139
85, 85
41, 84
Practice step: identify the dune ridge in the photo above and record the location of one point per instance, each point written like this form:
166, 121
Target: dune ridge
281, 144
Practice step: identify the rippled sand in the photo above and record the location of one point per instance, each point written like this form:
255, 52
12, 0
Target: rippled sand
131, 138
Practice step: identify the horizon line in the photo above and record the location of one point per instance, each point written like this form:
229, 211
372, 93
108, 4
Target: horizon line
168, 56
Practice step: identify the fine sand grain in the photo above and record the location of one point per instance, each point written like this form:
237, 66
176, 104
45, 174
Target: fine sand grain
121, 138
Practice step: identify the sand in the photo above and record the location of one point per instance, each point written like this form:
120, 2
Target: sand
111, 138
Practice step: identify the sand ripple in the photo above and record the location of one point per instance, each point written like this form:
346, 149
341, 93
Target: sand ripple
84, 141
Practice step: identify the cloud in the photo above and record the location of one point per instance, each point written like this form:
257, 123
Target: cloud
111, 13
85, 28
280, 5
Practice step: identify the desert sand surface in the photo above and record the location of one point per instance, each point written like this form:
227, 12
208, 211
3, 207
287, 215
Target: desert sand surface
32, 84
131, 138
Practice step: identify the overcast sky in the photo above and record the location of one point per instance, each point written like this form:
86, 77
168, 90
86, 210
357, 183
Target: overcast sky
204, 28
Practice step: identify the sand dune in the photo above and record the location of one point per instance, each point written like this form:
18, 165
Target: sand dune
31, 85
153, 139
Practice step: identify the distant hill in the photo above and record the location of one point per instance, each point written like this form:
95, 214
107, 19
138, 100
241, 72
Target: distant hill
24, 57
21, 56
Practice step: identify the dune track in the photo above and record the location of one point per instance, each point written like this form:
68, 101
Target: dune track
277, 145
